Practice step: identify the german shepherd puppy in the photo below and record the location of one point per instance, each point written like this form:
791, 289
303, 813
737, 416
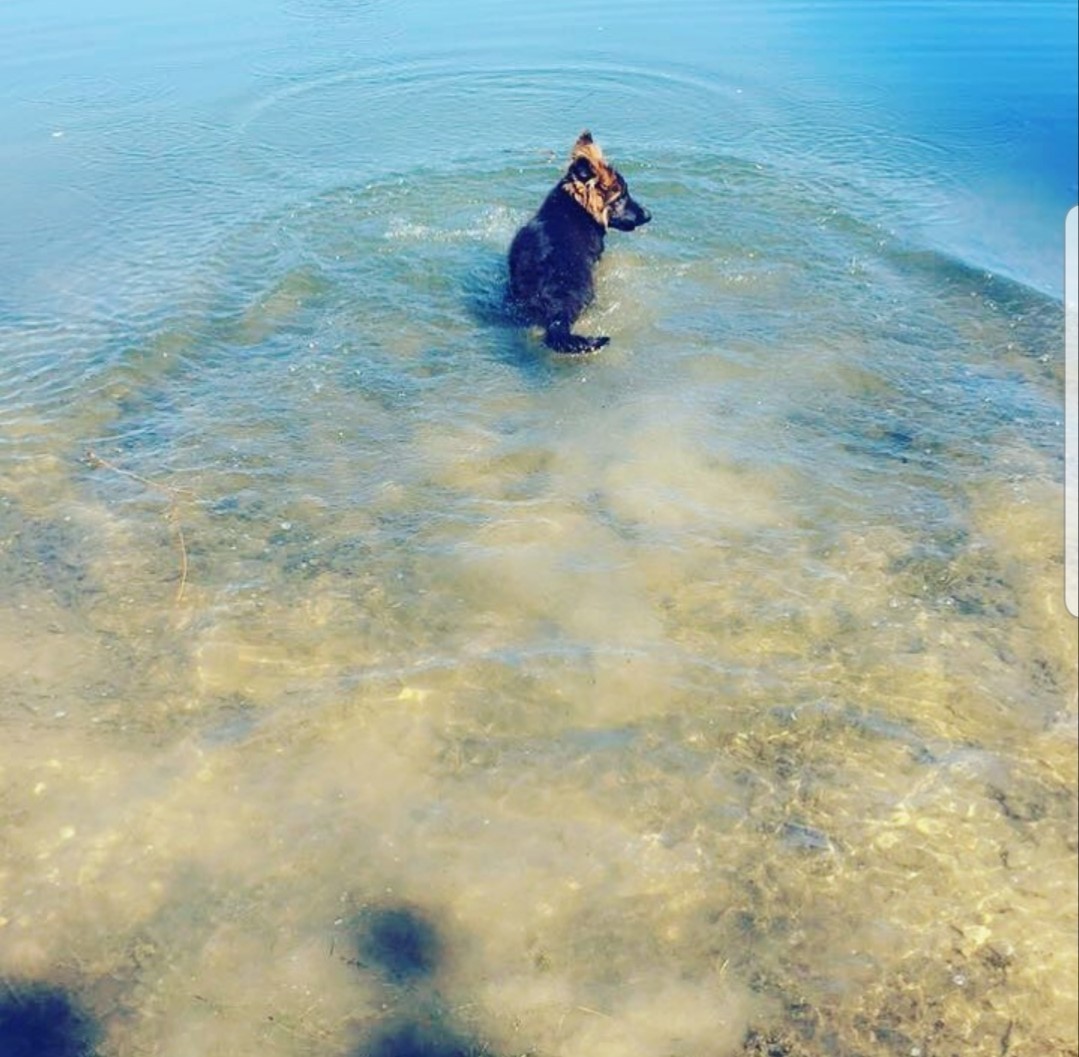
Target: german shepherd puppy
551, 258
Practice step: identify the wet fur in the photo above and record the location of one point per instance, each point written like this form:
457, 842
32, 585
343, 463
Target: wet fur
552, 257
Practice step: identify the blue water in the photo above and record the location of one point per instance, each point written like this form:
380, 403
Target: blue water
956, 120
374, 680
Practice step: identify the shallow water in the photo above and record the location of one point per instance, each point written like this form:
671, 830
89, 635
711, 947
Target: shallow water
376, 681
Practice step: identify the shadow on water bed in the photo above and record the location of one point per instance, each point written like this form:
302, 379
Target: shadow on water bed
40, 1020
421, 1037
399, 942
402, 945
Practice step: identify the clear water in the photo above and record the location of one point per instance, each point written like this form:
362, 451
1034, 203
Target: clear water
375, 680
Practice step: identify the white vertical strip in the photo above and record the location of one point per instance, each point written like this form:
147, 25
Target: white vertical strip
1071, 413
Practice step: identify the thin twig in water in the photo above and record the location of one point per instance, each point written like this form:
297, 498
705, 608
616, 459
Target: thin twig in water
1006, 1039
96, 461
182, 543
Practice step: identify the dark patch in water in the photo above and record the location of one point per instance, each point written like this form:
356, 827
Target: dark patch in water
39, 1020
800, 837
1020, 805
772, 1044
400, 942
235, 721
422, 1038
44, 554
485, 289
950, 571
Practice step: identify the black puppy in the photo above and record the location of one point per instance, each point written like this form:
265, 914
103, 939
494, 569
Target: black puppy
552, 256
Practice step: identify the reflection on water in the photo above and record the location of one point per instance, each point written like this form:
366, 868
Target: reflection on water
378, 684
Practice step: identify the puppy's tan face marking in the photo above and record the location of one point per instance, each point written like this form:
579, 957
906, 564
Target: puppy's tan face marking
590, 181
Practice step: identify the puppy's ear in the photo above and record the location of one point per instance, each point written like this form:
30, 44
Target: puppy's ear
583, 140
581, 170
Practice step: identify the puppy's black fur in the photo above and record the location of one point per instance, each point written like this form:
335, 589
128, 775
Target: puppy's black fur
551, 258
